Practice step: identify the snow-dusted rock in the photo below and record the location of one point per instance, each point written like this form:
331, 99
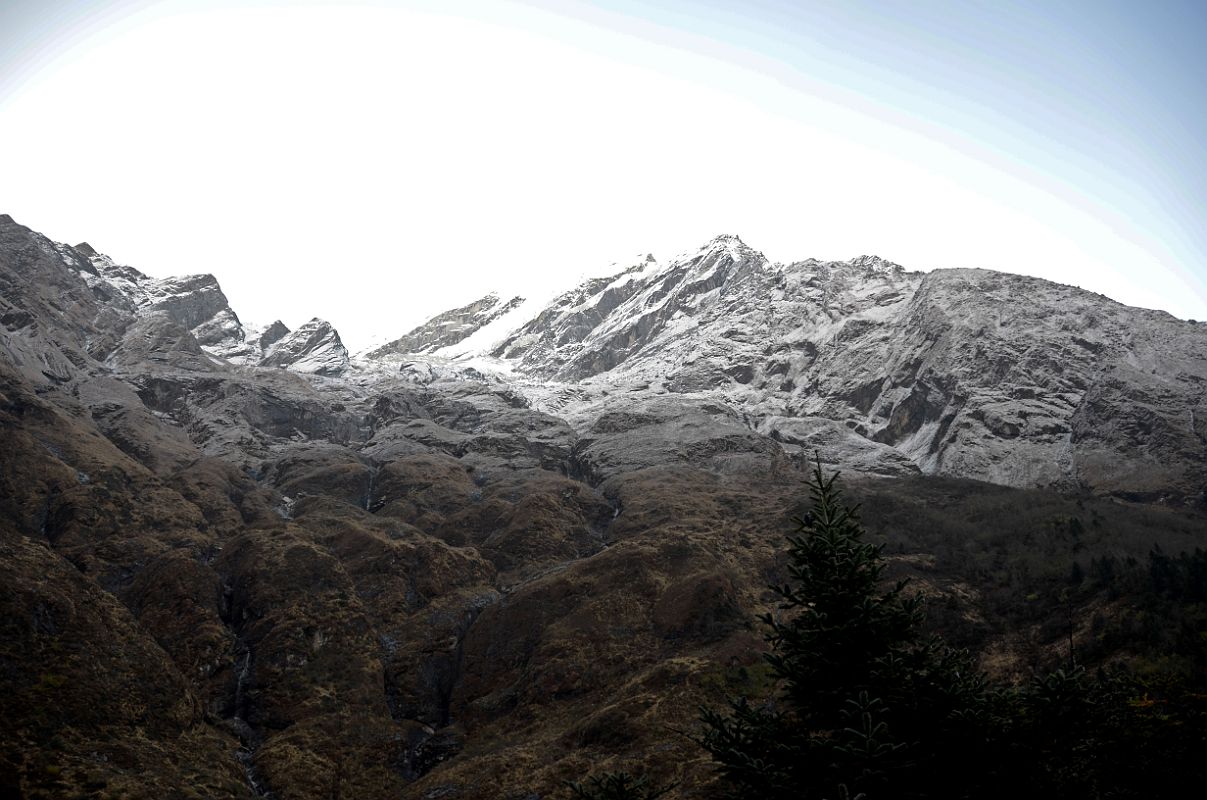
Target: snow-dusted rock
967, 372
633, 433
256, 344
450, 327
314, 347
838, 447
197, 304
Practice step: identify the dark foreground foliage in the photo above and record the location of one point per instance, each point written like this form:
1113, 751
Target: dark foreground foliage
617, 786
1037, 563
871, 707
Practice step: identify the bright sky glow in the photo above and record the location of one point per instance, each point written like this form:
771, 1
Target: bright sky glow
377, 162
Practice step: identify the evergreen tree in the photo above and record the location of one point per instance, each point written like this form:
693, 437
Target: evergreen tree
867, 701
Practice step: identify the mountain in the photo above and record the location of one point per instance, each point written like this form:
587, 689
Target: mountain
314, 347
970, 373
239, 562
195, 302
449, 328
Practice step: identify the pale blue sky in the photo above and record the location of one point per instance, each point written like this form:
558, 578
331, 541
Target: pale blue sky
1107, 99
452, 147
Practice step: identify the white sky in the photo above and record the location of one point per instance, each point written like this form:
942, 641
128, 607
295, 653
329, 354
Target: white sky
374, 165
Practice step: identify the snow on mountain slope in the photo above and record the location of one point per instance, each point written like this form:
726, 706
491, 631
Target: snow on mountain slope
198, 304
448, 328
194, 301
966, 372
716, 306
974, 373
314, 347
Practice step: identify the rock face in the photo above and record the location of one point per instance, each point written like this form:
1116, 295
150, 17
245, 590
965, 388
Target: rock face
239, 563
197, 305
257, 344
194, 302
314, 348
980, 374
449, 328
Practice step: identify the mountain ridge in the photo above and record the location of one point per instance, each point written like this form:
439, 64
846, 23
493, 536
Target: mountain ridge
966, 372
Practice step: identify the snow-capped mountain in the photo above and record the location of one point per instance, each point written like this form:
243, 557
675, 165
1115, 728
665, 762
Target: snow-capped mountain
314, 347
968, 372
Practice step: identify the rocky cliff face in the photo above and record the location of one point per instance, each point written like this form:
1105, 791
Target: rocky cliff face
972, 373
314, 347
239, 563
448, 328
195, 302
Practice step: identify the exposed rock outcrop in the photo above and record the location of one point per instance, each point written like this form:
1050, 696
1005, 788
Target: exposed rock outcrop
449, 327
973, 373
315, 348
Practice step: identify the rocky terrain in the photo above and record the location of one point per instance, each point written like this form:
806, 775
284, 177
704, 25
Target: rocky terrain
239, 562
972, 373
449, 328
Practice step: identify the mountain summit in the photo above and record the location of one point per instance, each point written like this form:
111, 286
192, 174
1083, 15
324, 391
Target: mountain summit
450, 327
974, 373
980, 374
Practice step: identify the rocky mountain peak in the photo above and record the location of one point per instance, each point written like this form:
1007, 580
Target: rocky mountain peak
876, 265
608, 321
273, 334
975, 373
727, 241
314, 347
727, 248
449, 328
194, 304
